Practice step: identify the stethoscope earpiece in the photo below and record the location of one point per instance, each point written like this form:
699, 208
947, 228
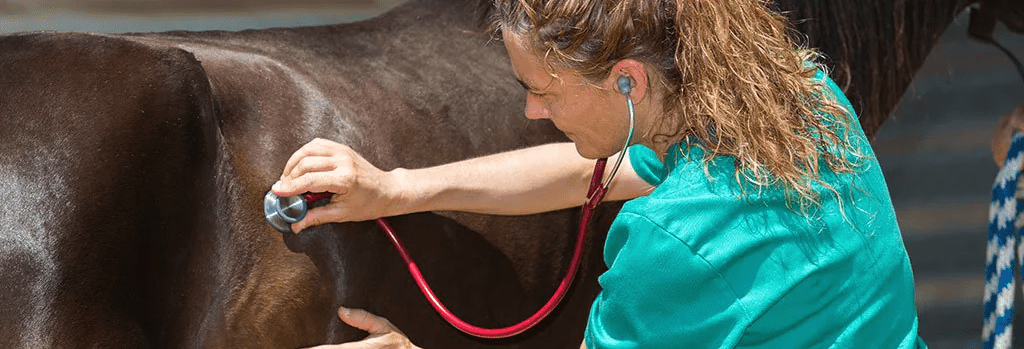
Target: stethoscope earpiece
625, 84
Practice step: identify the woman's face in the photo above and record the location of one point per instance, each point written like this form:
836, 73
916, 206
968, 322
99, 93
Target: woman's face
595, 119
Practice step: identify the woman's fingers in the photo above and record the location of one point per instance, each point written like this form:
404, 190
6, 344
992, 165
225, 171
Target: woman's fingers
307, 167
316, 147
366, 321
314, 182
383, 334
333, 212
312, 164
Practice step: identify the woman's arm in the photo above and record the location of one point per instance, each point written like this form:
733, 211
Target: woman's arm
525, 181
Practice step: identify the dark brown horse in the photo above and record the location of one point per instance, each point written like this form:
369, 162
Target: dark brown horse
134, 167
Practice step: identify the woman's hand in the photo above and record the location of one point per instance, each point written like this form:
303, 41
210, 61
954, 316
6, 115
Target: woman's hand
361, 191
1008, 124
383, 335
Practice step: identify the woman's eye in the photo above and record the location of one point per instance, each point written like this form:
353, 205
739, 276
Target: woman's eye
537, 93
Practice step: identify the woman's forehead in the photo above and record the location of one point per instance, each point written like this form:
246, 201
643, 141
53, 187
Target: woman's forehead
532, 70
528, 67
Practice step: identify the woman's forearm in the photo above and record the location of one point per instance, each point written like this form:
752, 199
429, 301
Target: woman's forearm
525, 181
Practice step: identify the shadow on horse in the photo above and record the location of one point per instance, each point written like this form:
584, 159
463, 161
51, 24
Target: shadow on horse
134, 166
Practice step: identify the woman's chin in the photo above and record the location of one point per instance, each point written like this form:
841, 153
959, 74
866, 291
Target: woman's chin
593, 153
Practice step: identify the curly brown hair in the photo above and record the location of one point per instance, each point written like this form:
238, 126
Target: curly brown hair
736, 83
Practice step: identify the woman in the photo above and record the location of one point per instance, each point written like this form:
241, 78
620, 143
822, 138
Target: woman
758, 215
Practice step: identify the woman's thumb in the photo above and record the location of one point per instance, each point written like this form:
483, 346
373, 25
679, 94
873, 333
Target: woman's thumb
365, 321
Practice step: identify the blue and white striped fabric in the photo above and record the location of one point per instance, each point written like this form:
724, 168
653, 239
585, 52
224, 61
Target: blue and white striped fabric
1004, 244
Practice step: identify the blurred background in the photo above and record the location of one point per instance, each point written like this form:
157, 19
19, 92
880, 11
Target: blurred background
116, 16
934, 150
175, 6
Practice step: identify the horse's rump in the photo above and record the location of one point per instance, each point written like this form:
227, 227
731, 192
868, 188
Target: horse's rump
102, 139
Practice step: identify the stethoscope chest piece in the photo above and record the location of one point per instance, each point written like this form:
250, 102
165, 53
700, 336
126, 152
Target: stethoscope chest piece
281, 213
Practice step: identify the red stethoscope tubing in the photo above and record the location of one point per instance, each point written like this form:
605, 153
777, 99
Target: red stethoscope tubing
594, 196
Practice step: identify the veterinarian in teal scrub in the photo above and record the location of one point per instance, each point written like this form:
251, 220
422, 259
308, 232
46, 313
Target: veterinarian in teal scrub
758, 216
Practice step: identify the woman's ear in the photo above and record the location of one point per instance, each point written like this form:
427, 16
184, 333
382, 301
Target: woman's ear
634, 70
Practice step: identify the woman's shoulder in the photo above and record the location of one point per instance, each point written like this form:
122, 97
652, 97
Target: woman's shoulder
698, 197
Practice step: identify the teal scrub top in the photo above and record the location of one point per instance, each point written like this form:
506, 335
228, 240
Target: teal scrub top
703, 263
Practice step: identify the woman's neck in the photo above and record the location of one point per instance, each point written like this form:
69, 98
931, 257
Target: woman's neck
653, 125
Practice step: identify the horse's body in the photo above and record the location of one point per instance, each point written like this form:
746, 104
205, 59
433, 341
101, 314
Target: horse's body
134, 167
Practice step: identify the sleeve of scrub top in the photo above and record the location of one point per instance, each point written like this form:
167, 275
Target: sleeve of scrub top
658, 293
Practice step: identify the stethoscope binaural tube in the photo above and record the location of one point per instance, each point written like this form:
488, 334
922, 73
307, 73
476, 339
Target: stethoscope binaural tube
624, 84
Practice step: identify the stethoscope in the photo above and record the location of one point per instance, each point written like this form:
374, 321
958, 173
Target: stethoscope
282, 212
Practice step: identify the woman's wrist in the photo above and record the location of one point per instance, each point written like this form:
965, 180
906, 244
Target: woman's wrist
405, 192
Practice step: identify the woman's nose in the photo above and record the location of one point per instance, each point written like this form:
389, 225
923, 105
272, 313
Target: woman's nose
535, 108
